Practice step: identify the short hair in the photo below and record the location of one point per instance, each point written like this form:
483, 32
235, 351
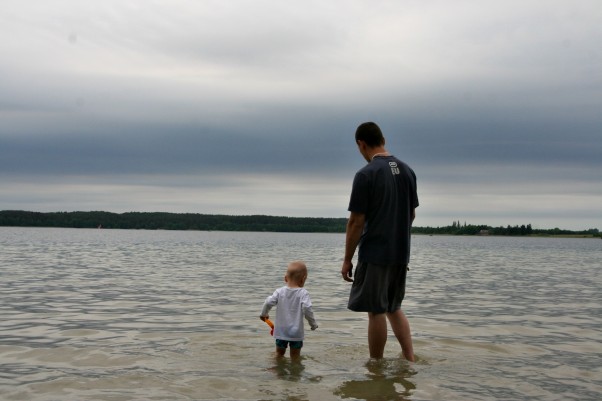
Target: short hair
370, 133
296, 270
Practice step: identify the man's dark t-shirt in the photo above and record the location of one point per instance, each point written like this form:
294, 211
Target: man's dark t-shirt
385, 192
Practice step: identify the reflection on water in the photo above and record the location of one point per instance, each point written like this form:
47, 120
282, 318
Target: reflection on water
287, 368
385, 380
167, 315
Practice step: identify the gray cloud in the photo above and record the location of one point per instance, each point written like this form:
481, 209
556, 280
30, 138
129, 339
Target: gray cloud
110, 105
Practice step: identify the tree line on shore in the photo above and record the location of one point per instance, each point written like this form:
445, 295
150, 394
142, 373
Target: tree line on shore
211, 222
170, 221
523, 230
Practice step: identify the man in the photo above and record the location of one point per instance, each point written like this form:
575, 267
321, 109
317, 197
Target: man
382, 209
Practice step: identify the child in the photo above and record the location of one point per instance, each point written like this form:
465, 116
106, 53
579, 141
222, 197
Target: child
293, 304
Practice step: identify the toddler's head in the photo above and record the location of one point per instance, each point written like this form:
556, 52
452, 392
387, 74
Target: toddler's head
296, 273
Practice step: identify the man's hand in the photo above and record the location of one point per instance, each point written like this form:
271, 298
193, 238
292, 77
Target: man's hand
264, 317
353, 234
347, 271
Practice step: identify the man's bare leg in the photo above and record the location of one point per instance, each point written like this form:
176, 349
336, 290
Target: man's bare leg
401, 329
377, 334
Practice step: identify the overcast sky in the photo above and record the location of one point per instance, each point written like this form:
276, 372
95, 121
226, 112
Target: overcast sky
250, 107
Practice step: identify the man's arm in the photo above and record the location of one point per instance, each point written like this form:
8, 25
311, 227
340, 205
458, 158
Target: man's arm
355, 227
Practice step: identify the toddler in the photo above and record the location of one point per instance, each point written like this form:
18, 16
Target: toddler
293, 304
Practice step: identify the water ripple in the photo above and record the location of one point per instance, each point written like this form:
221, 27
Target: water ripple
111, 314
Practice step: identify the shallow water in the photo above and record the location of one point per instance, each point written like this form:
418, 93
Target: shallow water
173, 315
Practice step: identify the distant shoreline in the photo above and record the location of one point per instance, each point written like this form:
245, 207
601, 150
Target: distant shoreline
253, 223
528, 236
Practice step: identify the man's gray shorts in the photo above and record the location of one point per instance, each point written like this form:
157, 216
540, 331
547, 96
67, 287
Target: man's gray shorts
377, 289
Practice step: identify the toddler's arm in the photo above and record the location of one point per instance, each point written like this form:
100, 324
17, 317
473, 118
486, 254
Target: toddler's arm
307, 311
309, 315
269, 303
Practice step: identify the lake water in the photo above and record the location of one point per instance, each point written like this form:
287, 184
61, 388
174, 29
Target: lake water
173, 315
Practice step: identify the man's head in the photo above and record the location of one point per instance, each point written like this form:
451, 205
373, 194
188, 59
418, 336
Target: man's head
370, 134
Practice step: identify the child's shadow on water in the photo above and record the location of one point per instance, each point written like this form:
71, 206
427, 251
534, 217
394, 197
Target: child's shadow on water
288, 369
386, 379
